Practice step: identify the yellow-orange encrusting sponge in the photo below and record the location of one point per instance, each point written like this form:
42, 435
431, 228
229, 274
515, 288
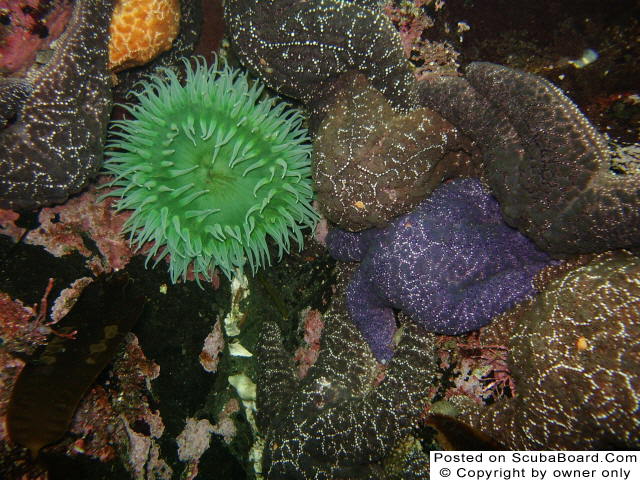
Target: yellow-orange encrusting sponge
140, 30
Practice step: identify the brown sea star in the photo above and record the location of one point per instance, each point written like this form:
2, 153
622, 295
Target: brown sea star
546, 164
300, 47
55, 144
371, 164
574, 355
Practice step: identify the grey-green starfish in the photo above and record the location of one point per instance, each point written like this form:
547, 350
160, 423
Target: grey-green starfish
300, 47
55, 144
549, 168
336, 423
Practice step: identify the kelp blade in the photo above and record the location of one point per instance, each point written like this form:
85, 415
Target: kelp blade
50, 387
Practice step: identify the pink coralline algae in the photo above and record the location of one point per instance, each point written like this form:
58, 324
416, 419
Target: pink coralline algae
8, 225
410, 23
62, 229
413, 23
94, 423
121, 424
23, 328
27, 27
193, 441
67, 298
137, 443
305, 356
213, 346
480, 370
225, 426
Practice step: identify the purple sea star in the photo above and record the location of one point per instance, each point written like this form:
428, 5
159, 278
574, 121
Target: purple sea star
55, 144
451, 265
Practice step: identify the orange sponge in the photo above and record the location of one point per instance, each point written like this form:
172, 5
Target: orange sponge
140, 30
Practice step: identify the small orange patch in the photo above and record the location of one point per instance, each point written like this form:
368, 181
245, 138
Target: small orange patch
140, 30
359, 205
582, 344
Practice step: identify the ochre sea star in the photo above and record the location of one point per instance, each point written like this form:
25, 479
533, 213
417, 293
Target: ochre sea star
546, 164
336, 423
55, 144
300, 47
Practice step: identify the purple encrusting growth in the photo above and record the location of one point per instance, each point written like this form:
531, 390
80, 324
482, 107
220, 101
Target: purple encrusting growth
451, 265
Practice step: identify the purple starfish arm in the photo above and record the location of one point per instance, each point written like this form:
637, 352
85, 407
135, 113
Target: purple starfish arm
472, 308
372, 315
351, 246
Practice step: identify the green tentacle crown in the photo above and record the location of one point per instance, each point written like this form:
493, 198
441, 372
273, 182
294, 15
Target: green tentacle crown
210, 169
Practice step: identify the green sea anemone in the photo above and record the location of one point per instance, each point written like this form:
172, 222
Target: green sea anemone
210, 170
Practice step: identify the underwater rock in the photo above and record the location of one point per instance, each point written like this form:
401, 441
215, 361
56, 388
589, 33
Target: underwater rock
80, 224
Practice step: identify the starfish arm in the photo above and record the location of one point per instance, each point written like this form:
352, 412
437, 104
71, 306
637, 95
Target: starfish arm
346, 246
411, 372
363, 431
276, 379
547, 165
13, 92
475, 305
460, 103
373, 317
300, 48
